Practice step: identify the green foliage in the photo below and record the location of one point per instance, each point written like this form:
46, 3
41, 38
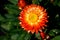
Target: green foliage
56, 38
54, 32
57, 2
35, 1
10, 24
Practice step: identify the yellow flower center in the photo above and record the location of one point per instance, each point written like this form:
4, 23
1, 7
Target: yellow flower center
33, 17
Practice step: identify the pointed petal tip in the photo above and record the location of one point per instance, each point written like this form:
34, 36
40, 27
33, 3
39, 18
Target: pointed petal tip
40, 30
20, 8
29, 31
47, 37
20, 23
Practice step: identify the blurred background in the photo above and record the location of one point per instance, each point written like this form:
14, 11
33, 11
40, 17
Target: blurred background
9, 23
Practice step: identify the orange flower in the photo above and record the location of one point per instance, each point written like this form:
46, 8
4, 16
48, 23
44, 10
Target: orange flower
33, 18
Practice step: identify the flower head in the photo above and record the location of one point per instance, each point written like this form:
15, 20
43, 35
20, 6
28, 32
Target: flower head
33, 18
21, 4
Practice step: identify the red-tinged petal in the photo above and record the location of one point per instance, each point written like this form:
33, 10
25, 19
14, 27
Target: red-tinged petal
42, 35
21, 4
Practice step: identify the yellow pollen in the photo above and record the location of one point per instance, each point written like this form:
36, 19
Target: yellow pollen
33, 17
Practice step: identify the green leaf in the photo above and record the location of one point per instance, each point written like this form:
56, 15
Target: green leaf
1, 18
56, 38
51, 33
57, 18
40, 0
13, 19
57, 2
12, 9
14, 37
24, 36
27, 37
35, 1
14, 1
3, 38
6, 26
38, 36
54, 32
19, 34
